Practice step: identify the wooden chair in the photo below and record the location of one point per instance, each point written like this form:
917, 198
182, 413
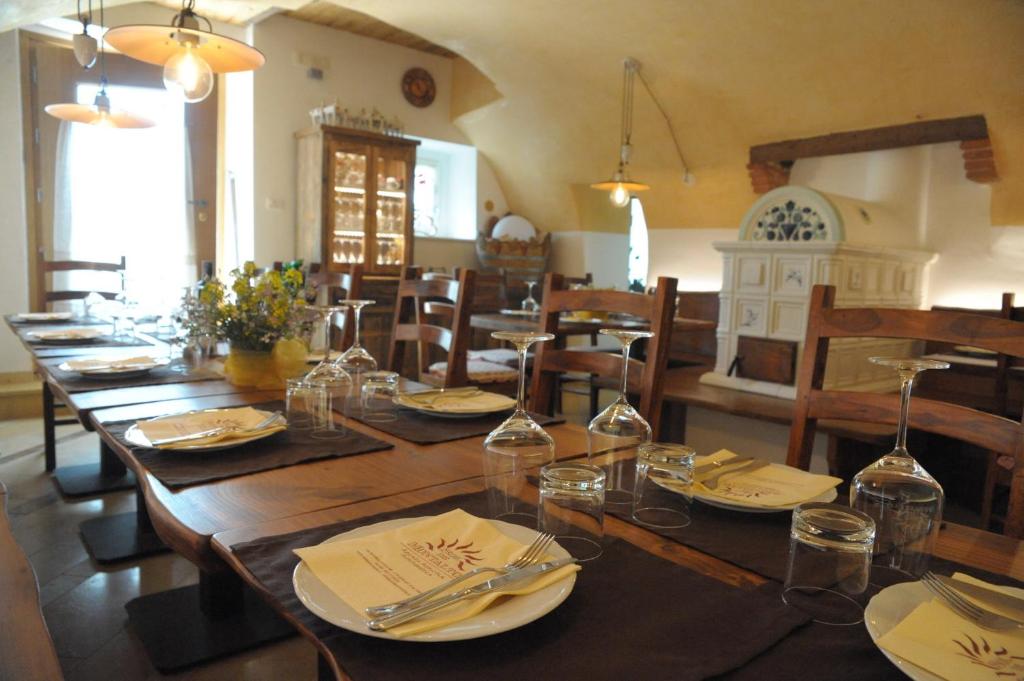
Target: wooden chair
989, 431
44, 293
409, 324
645, 378
26, 649
332, 287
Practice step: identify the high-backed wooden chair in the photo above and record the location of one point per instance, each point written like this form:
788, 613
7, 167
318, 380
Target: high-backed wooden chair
44, 289
409, 324
989, 431
645, 378
332, 287
26, 649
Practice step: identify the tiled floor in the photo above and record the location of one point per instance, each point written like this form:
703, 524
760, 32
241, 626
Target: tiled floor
83, 602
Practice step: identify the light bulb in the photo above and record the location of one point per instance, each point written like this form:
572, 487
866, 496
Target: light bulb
189, 75
619, 196
104, 120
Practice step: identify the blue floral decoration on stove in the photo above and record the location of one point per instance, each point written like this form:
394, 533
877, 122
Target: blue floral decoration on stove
790, 222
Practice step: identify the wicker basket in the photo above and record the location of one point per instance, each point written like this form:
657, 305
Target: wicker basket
522, 260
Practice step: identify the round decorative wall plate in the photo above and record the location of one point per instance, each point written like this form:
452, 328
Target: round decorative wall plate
418, 87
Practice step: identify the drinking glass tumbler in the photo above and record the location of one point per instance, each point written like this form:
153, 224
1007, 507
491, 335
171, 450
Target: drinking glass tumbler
661, 490
829, 562
378, 396
572, 507
302, 403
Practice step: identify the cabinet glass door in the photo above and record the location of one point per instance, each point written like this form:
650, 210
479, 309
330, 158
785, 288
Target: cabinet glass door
349, 166
392, 209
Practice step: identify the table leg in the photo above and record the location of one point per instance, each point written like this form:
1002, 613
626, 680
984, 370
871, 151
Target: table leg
109, 475
49, 429
113, 538
219, 616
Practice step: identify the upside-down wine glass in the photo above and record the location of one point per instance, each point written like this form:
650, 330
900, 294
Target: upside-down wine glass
618, 429
356, 360
902, 498
325, 368
517, 448
530, 304
332, 377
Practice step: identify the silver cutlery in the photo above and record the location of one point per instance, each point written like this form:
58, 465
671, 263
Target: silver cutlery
717, 465
533, 553
265, 423
989, 597
711, 482
985, 619
514, 578
430, 396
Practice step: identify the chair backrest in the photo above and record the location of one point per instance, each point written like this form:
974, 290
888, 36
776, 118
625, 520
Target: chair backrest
586, 280
26, 649
414, 291
332, 287
645, 378
989, 431
45, 295
491, 294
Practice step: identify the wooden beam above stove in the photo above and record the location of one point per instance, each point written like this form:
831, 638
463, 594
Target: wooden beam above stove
971, 131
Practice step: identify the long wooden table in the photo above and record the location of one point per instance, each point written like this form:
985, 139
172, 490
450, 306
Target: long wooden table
495, 321
975, 548
186, 519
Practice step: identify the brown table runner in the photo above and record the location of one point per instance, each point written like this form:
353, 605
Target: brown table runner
287, 448
631, 615
74, 382
100, 342
427, 430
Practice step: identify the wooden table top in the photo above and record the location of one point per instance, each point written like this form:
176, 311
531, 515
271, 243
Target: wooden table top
495, 321
972, 547
187, 518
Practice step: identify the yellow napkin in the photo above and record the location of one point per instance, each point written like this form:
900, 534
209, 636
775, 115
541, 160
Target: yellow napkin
96, 363
241, 419
935, 638
392, 565
767, 487
62, 334
481, 401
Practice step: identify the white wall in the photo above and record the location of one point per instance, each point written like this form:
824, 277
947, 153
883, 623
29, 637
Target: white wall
13, 235
360, 73
603, 254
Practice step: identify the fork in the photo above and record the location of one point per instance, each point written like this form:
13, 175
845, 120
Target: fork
533, 553
966, 609
265, 423
711, 482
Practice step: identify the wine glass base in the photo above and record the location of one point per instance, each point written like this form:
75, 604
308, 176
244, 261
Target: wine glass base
661, 518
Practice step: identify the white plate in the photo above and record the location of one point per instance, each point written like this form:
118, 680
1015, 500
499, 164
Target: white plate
403, 401
75, 336
521, 313
117, 372
718, 502
510, 614
889, 607
44, 316
135, 436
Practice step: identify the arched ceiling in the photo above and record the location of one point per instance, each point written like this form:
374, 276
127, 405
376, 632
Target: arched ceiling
731, 73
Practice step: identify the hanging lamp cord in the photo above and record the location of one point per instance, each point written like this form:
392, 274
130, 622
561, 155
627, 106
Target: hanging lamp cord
85, 20
103, 49
664, 114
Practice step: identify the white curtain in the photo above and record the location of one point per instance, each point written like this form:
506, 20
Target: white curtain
127, 192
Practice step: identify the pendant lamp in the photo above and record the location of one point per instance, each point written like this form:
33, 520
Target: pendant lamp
620, 187
84, 45
189, 55
99, 113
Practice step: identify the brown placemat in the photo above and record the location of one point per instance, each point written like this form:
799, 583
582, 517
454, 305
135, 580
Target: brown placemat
427, 430
100, 342
631, 615
287, 448
74, 382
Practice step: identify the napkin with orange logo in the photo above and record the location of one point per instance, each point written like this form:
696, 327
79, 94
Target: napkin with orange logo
395, 564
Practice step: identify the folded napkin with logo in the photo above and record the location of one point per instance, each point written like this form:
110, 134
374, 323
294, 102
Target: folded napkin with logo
102, 363
222, 425
457, 401
935, 638
393, 565
66, 334
757, 483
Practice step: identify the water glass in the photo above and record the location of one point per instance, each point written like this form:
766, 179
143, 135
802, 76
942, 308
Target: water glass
661, 490
829, 562
378, 396
332, 400
572, 507
303, 402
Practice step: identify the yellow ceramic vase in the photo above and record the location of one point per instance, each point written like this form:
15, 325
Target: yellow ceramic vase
263, 369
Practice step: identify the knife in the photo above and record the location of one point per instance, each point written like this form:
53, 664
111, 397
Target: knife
513, 578
1009, 606
715, 465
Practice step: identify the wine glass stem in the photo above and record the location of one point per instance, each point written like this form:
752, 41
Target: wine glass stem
625, 368
327, 335
355, 331
521, 393
906, 385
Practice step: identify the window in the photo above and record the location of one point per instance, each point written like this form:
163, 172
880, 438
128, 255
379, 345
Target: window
639, 256
444, 191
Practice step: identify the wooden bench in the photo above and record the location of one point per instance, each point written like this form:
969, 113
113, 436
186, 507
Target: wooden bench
26, 649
